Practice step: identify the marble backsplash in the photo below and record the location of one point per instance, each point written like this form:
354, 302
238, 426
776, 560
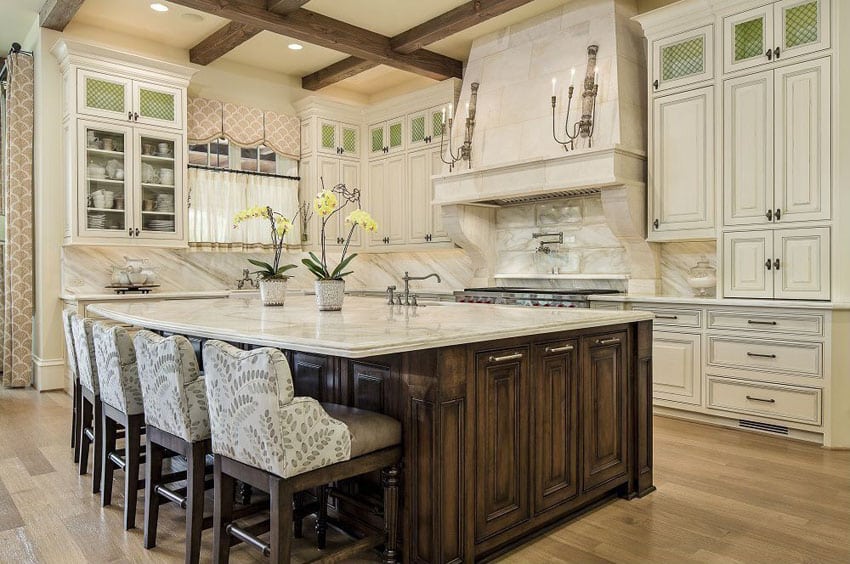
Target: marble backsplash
589, 246
87, 270
678, 258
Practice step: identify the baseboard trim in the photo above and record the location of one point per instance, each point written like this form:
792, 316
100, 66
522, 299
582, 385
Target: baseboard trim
48, 374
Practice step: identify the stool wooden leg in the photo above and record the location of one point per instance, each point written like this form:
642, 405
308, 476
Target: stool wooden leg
222, 514
390, 480
297, 503
195, 502
74, 418
107, 446
322, 518
153, 475
97, 469
280, 501
78, 419
132, 452
85, 421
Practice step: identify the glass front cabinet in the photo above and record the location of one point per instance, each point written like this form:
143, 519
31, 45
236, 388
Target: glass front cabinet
772, 33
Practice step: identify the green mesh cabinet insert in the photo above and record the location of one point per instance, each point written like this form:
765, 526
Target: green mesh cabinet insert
396, 139
683, 59
349, 140
749, 39
436, 124
158, 105
105, 95
417, 129
328, 136
801, 25
376, 134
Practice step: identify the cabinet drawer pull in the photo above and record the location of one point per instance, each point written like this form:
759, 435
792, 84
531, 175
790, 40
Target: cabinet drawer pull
507, 357
565, 348
666, 316
753, 398
608, 341
752, 322
761, 355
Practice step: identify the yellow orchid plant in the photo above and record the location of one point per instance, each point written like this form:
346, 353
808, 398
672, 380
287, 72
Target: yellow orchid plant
279, 226
327, 204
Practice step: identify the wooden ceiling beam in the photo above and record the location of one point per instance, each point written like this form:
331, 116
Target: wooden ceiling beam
336, 72
315, 28
451, 22
235, 34
56, 14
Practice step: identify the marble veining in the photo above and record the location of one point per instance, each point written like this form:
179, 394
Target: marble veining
678, 258
365, 327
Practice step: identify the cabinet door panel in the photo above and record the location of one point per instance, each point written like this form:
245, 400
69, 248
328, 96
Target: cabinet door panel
683, 161
103, 95
747, 37
804, 267
438, 232
329, 176
683, 59
395, 135
350, 173
377, 199
746, 271
555, 423
604, 388
312, 376
158, 200
803, 148
501, 428
328, 137
419, 209
395, 202
105, 203
349, 140
377, 139
158, 105
748, 149
677, 366
802, 26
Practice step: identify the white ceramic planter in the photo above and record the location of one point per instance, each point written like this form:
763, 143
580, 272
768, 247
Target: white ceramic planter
273, 291
329, 294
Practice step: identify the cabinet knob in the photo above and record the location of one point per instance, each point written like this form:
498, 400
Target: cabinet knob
768, 264
655, 84
135, 116
137, 231
776, 53
777, 214
130, 232
655, 224
769, 215
776, 264
769, 54
130, 116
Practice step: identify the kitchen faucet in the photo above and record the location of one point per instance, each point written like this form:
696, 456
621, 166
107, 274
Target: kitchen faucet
407, 278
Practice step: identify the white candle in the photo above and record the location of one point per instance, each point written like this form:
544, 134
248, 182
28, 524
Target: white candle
451, 115
596, 75
467, 109
572, 76
444, 115
554, 80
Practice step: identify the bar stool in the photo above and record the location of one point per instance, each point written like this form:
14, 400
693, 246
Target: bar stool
176, 421
90, 419
121, 407
265, 436
75, 381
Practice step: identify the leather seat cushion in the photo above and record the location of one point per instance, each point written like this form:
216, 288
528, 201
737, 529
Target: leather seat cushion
370, 431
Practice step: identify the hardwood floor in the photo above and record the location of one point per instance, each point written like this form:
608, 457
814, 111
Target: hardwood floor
723, 496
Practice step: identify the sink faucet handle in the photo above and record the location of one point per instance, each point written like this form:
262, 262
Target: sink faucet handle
390, 294
413, 301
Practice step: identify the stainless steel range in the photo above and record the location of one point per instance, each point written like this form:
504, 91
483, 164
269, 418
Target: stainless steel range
539, 297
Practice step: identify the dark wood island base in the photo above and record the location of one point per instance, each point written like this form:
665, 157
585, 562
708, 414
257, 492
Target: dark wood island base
502, 440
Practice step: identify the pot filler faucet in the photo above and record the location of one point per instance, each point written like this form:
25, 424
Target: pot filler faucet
407, 278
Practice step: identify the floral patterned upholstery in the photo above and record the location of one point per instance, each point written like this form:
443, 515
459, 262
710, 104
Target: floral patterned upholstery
84, 347
257, 420
69, 342
173, 390
116, 368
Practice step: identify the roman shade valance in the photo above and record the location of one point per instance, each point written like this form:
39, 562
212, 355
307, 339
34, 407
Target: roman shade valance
244, 126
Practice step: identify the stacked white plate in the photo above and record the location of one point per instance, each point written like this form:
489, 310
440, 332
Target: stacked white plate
97, 221
161, 225
165, 203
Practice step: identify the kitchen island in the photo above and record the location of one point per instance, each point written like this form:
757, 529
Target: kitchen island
513, 418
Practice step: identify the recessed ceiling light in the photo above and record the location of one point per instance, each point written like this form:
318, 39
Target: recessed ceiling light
192, 17
157, 7
295, 46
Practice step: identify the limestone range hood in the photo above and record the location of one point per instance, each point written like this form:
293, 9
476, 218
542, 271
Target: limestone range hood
515, 159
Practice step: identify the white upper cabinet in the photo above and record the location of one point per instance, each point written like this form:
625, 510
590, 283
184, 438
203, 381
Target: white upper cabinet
332, 171
682, 166
386, 137
425, 220
748, 149
337, 138
124, 99
775, 32
683, 59
388, 199
803, 147
425, 128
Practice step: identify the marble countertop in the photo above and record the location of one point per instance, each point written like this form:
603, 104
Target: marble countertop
729, 302
362, 329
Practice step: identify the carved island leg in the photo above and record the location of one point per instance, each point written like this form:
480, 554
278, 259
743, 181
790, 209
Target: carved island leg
642, 409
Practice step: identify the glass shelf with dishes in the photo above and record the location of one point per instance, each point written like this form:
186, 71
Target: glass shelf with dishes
105, 178
160, 183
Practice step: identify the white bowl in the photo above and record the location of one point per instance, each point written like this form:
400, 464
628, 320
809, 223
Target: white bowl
138, 278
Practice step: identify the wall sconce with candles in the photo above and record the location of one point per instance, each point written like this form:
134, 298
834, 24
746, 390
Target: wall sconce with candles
583, 127
464, 152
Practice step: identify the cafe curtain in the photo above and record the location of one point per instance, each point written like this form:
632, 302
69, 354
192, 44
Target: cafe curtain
217, 195
18, 206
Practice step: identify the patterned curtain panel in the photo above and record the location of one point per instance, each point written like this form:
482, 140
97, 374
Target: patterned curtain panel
18, 197
243, 126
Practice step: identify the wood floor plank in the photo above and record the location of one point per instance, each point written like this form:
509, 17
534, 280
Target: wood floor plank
724, 496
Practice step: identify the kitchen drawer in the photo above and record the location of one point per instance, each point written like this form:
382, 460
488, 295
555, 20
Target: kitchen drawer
673, 317
613, 306
766, 322
798, 358
791, 403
